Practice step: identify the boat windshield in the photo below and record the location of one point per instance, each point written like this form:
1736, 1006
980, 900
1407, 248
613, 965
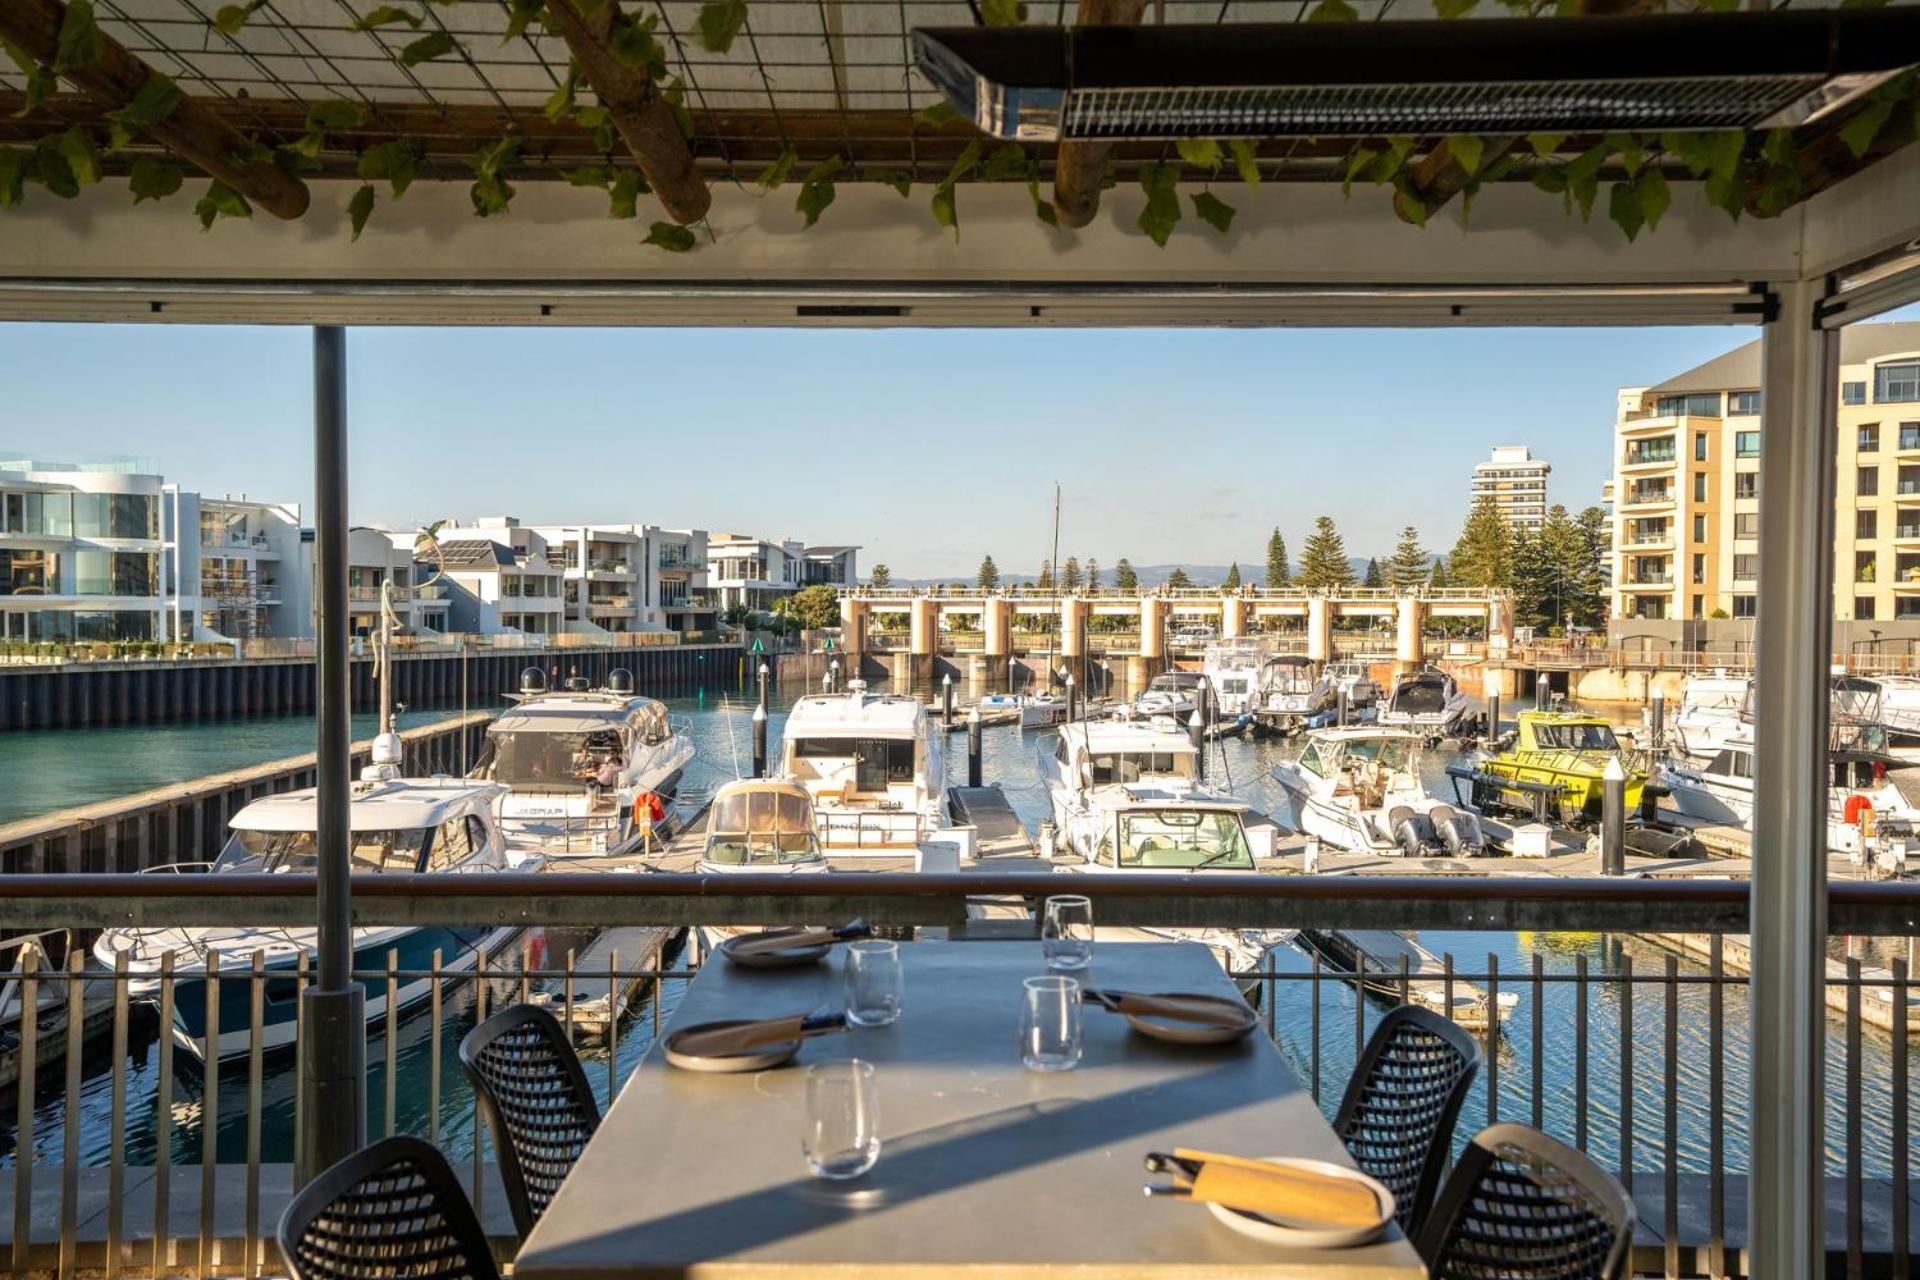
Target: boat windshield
273, 852
770, 828
1290, 677
1184, 839
1395, 754
1175, 682
529, 758
1575, 737
1128, 767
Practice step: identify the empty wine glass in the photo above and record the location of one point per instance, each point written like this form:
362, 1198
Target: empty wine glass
842, 1138
1066, 932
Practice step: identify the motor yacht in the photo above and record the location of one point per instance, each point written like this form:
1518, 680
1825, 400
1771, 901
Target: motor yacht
873, 767
1427, 702
1359, 789
1293, 696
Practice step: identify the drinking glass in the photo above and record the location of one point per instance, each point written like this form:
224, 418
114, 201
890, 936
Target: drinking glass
842, 1138
1050, 1024
1066, 933
873, 983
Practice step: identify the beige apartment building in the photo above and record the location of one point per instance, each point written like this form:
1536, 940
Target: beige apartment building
1517, 483
1686, 488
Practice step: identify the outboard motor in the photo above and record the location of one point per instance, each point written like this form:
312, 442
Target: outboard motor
532, 680
1455, 831
1410, 831
620, 680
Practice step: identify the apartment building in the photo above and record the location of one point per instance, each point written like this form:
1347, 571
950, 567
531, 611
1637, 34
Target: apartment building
756, 572
633, 577
1517, 483
502, 577
1687, 487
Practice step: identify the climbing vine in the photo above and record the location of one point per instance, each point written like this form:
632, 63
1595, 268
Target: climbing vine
1742, 173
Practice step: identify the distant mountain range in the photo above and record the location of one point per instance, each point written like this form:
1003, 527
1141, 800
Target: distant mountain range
1153, 575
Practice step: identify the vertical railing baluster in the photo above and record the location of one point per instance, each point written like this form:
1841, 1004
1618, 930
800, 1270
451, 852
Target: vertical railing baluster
613, 1024
117, 1140
163, 1119
433, 1056
1626, 1072
479, 1127
567, 997
1316, 1026
1716, 1106
300, 963
70, 1144
1406, 979
23, 1141
392, 1040
1269, 992
526, 964
1901, 1190
1493, 1038
1539, 1041
1359, 1004
1672, 1118
256, 1074
1580, 1051
209, 1115
1855, 1244
1446, 987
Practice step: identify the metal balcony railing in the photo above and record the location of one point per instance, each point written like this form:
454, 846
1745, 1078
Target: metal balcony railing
1632, 1045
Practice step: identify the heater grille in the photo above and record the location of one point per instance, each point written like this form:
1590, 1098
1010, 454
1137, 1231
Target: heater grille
1577, 106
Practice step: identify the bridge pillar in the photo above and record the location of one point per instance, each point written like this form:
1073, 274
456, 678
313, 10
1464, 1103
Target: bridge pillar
1319, 628
1233, 617
1410, 646
1153, 629
923, 638
1499, 624
996, 626
1074, 612
855, 614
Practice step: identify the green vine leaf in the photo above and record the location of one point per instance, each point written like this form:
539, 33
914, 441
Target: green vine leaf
1624, 208
1466, 150
221, 201
360, 208
491, 193
389, 14
595, 176
1859, 132
334, 114
1550, 179
1450, 9
1546, 145
559, 104
1162, 212
40, 82
1201, 153
1583, 178
1358, 163
719, 23
1632, 152
80, 42
82, 157
1656, 197
1246, 160
674, 95
392, 161
428, 47
520, 16
156, 99
1009, 162
1003, 13
230, 18
632, 42
817, 192
154, 179
669, 236
776, 174
945, 211
1333, 11
1214, 211
1042, 207
50, 169
13, 175
941, 112
600, 120
623, 196
1409, 204
900, 182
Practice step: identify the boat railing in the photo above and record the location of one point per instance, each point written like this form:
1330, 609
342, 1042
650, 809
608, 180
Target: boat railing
1631, 1043
859, 829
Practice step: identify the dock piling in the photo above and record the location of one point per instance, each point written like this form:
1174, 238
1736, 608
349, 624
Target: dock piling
1197, 732
973, 746
760, 728
1493, 714
946, 699
1341, 713
1613, 820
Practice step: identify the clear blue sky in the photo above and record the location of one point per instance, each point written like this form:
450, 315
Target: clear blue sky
927, 447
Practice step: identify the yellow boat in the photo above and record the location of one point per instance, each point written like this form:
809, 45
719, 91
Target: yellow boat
1568, 750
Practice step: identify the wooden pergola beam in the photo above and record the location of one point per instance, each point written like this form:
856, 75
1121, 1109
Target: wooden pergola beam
192, 132
1080, 168
643, 118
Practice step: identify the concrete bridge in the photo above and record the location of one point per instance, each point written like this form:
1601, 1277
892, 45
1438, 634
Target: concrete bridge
1231, 613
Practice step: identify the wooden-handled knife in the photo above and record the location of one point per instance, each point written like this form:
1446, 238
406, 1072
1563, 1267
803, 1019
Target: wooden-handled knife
744, 1037
1178, 1008
792, 940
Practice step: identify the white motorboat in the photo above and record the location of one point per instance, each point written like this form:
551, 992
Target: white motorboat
1427, 702
588, 772
1234, 669
1293, 696
400, 826
758, 826
1354, 677
1359, 789
1040, 710
1169, 697
873, 766
1713, 711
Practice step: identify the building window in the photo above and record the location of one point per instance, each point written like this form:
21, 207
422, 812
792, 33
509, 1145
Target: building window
1853, 393
1864, 566
1909, 479
1743, 606
1700, 528
1642, 451
1869, 435
1699, 569
1699, 486
1746, 524
1910, 435
115, 515
1746, 444
1866, 482
1699, 446
1866, 525
1746, 567
1746, 484
1703, 404
1897, 383
1743, 402
24, 572
1863, 608
1699, 606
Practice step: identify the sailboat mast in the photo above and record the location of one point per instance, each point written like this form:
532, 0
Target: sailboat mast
1053, 571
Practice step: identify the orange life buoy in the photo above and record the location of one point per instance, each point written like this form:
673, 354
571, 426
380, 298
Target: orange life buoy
1855, 806
648, 808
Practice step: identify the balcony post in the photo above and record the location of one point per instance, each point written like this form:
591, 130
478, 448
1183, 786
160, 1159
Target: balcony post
334, 1051
1793, 642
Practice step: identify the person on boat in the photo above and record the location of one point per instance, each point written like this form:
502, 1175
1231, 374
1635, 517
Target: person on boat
608, 774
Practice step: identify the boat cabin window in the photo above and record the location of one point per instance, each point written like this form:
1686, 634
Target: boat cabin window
876, 761
277, 851
1310, 761
528, 758
1183, 839
457, 840
1575, 737
1233, 684
1394, 754
1127, 767
761, 827
653, 726
1732, 764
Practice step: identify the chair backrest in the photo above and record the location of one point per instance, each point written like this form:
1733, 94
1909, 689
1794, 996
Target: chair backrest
1397, 1117
535, 1097
391, 1209
1525, 1207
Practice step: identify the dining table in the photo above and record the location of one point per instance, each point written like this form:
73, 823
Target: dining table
986, 1168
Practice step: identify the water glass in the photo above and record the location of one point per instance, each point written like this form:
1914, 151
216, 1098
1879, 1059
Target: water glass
842, 1138
1066, 932
873, 983
1050, 1024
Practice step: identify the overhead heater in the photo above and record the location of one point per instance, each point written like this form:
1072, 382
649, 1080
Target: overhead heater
1487, 76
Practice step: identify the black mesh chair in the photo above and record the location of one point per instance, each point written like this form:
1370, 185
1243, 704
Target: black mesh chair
1524, 1207
1397, 1118
534, 1095
391, 1209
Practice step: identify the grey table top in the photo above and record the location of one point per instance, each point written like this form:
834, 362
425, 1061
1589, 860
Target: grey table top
985, 1169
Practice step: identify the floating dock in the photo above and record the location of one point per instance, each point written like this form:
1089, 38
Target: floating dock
1736, 958
998, 831
1392, 965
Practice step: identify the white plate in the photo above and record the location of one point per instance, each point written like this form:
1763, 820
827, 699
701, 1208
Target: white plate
790, 958
767, 1055
1183, 1031
1317, 1236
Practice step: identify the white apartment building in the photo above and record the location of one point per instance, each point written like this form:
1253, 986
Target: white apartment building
633, 577
1517, 483
501, 577
756, 572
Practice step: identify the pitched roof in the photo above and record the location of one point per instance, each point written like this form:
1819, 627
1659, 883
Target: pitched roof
1739, 369
476, 552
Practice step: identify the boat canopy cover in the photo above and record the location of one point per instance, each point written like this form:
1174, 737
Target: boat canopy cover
1108, 737
1425, 693
386, 806
760, 820
855, 715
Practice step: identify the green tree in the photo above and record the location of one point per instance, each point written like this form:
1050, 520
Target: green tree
1044, 582
1233, 577
1589, 593
1279, 574
989, 579
811, 607
1531, 575
1323, 561
1483, 557
1178, 578
737, 615
882, 576
1070, 574
1374, 577
1441, 576
1093, 574
1124, 577
1407, 566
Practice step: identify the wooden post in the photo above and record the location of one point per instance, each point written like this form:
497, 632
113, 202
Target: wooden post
1081, 167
